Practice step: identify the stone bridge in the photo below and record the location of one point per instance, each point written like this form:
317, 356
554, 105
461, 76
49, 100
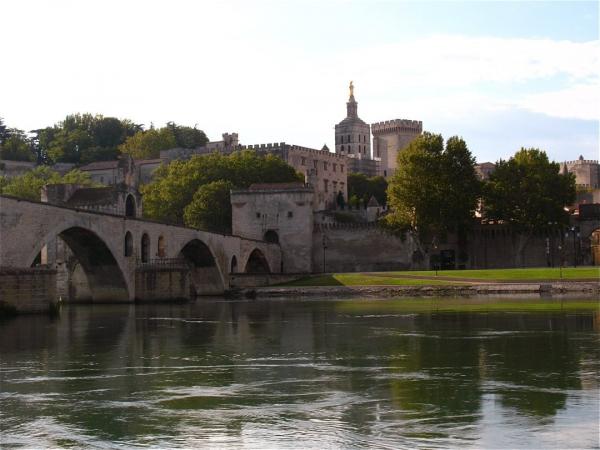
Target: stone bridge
109, 254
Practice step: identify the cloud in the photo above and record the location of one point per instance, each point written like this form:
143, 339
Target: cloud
581, 101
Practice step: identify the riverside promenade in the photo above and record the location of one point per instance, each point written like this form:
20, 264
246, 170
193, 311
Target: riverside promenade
542, 281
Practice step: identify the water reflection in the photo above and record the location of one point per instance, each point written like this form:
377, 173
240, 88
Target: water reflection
298, 374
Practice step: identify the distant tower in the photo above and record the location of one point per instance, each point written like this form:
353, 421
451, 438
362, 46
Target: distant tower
352, 135
390, 138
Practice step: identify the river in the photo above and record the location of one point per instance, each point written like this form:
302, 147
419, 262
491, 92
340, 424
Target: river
299, 374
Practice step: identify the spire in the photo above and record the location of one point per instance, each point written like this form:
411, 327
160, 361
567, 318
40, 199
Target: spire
351, 105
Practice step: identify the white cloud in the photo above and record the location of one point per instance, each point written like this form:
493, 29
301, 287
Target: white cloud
581, 101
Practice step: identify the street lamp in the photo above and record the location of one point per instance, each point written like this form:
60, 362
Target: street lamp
324, 248
575, 232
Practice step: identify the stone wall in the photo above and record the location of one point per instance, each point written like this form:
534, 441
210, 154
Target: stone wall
157, 283
389, 138
361, 247
281, 214
28, 290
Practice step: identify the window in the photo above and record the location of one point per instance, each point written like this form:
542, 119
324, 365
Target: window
342, 148
145, 248
324, 165
334, 186
162, 252
128, 244
258, 215
341, 167
348, 139
315, 162
342, 137
326, 185
334, 167
290, 214
303, 160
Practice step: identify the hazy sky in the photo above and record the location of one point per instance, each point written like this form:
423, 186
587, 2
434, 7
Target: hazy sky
500, 74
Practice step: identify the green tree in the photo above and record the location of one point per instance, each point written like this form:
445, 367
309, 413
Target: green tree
148, 144
4, 131
187, 137
435, 189
175, 185
17, 147
528, 192
364, 188
83, 138
29, 185
210, 208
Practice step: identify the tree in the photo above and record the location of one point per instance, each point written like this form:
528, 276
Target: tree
148, 144
17, 147
210, 208
174, 186
529, 193
82, 138
435, 189
29, 185
4, 131
187, 137
364, 188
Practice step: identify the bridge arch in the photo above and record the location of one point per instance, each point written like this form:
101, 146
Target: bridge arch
257, 262
206, 276
95, 266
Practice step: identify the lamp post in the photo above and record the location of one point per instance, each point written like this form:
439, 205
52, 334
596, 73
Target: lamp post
324, 248
560, 259
575, 232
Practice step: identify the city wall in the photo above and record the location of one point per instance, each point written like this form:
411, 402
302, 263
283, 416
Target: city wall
27, 290
361, 247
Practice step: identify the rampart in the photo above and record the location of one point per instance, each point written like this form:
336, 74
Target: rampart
397, 125
27, 290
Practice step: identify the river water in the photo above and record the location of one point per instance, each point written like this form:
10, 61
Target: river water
299, 374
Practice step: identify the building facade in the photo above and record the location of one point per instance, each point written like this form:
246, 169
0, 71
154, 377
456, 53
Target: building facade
587, 172
324, 171
279, 213
390, 138
353, 139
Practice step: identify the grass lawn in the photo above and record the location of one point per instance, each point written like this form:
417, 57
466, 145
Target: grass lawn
542, 273
425, 305
428, 277
362, 279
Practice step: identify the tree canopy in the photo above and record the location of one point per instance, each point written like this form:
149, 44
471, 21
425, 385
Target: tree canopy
529, 193
83, 138
176, 186
29, 185
361, 187
148, 144
435, 188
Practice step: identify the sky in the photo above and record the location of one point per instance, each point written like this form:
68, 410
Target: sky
503, 75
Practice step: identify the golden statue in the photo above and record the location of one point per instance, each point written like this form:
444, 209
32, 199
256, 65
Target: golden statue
351, 89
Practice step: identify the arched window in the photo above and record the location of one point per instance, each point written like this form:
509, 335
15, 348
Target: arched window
162, 251
128, 248
272, 236
145, 248
130, 206
233, 264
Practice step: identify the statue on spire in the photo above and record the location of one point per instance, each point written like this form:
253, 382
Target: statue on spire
351, 89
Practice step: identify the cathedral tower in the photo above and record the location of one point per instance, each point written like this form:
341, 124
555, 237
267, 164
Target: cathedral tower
353, 135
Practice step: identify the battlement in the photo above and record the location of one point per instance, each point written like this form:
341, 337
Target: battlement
391, 126
279, 146
581, 162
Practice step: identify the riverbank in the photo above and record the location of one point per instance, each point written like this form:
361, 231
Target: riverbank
588, 288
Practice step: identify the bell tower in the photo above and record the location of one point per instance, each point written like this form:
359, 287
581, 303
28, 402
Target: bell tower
353, 135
